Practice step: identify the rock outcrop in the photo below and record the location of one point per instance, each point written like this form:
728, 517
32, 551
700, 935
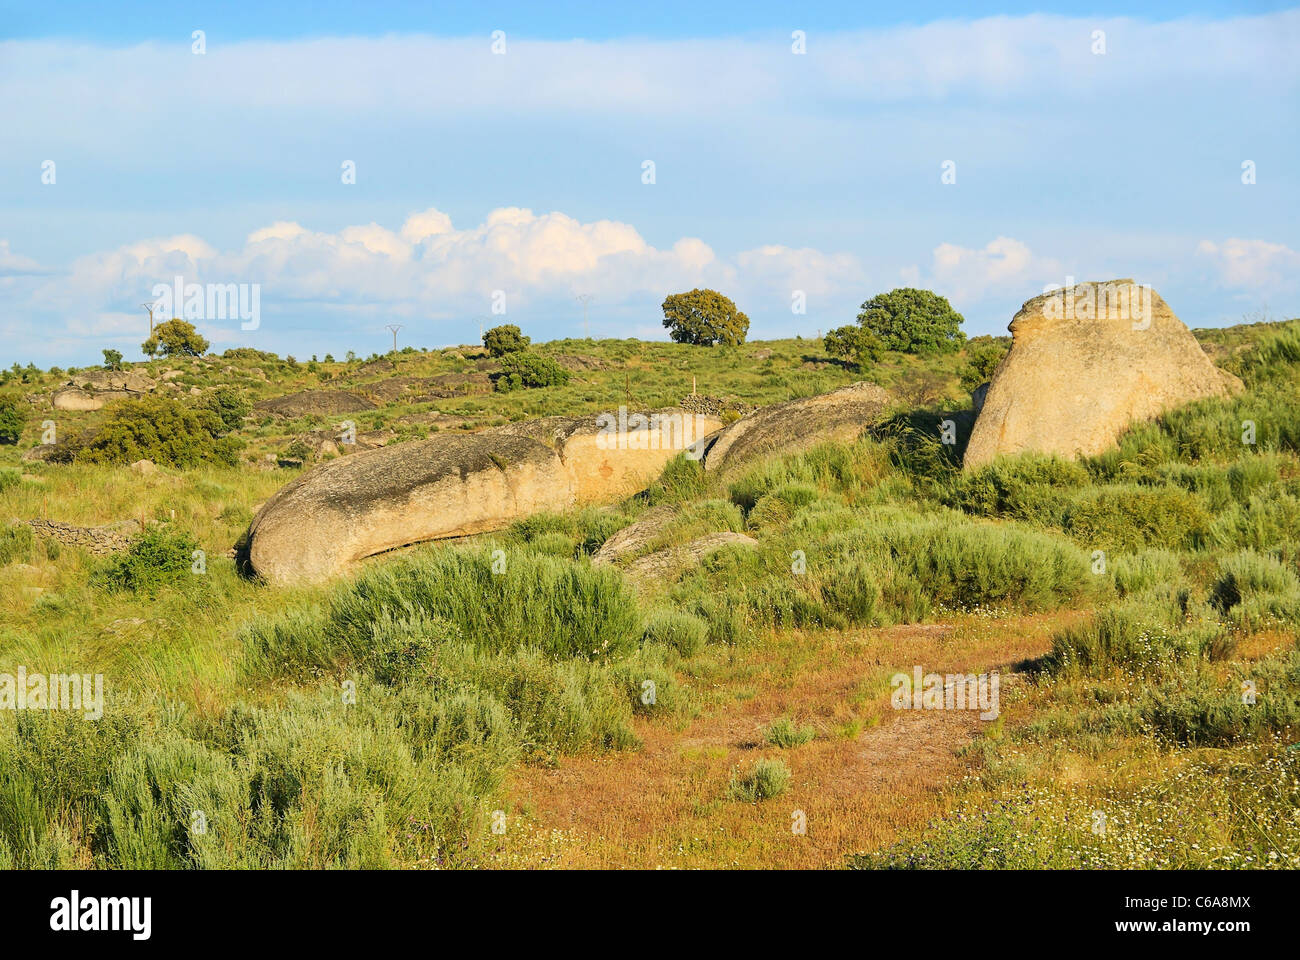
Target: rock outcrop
636, 536
789, 427
112, 381
74, 398
1086, 362
320, 402
91, 389
665, 565
450, 486
39, 453
609, 459
357, 506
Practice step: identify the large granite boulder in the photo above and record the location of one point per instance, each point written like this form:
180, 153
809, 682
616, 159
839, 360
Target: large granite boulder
357, 506
796, 425
1085, 362
450, 486
76, 399
613, 456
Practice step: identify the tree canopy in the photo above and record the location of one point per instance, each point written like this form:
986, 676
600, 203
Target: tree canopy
175, 337
908, 320
704, 317
504, 339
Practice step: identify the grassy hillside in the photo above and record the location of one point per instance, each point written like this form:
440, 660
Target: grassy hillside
396, 717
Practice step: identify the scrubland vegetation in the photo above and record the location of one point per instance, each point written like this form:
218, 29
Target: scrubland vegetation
377, 721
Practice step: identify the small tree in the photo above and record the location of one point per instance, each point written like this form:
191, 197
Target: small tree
11, 420
505, 339
150, 347
854, 345
521, 369
913, 321
704, 317
112, 359
985, 353
176, 338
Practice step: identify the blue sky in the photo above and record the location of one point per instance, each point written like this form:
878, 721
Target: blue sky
523, 173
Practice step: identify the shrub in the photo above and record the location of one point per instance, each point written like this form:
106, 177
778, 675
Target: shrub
1147, 570
704, 317
16, 541
764, 780
912, 321
856, 346
985, 353
1199, 711
504, 339
522, 369
1266, 521
153, 559
830, 467
228, 405
966, 565
12, 421
1026, 487
682, 480
170, 431
1128, 517
564, 608
684, 632
1255, 590
786, 733
1133, 636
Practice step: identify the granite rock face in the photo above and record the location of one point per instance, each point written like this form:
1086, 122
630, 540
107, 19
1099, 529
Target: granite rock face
1085, 362
453, 486
796, 425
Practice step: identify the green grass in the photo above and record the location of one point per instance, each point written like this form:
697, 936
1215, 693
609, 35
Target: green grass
763, 780
371, 722
787, 733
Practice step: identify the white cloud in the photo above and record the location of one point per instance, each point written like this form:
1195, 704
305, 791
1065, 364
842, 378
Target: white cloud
430, 269
1003, 267
407, 80
1256, 264
13, 265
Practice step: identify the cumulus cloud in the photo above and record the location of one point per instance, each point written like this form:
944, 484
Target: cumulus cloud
430, 269
1001, 268
1256, 264
13, 265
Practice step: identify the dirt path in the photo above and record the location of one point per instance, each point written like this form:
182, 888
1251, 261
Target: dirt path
871, 771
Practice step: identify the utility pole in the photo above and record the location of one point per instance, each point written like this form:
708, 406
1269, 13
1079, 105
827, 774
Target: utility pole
586, 299
394, 327
149, 306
